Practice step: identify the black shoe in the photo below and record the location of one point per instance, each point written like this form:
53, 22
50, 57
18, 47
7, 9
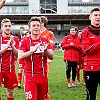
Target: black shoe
19, 85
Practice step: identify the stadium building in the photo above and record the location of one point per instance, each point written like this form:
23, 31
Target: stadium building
62, 14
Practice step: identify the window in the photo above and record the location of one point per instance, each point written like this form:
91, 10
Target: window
83, 1
48, 6
42, 1
20, 0
80, 9
48, 1
14, 10
74, 1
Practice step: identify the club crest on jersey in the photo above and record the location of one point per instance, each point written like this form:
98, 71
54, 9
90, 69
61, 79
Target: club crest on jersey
85, 63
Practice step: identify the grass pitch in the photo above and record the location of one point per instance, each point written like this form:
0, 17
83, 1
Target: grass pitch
57, 83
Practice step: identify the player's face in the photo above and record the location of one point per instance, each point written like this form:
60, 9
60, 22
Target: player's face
25, 35
35, 27
79, 34
73, 31
95, 18
6, 28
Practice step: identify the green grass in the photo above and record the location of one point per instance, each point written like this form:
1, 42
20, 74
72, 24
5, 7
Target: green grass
57, 83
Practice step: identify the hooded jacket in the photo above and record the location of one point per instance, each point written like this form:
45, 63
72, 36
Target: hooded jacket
71, 53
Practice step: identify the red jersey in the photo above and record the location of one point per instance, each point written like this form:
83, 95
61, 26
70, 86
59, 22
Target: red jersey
7, 59
91, 48
21, 64
37, 62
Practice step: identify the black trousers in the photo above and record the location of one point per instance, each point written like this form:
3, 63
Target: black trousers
71, 65
92, 81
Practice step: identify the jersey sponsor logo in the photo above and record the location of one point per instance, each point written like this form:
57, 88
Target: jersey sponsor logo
40, 49
28, 95
92, 37
3, 46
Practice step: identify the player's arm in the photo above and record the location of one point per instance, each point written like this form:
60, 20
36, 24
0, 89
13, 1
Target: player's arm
64, 43
14, 50
23, 55
51, 38
2, 51
87, 46
14, 46
48, 51
2, 3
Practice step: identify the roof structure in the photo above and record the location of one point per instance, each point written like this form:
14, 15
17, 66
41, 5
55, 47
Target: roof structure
52, 18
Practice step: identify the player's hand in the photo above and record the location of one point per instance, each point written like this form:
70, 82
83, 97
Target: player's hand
34, 48
45, 46
8, 44
12, 40
72, 44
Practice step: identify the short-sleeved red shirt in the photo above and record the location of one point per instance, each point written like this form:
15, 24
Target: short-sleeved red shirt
39, 58
7, 58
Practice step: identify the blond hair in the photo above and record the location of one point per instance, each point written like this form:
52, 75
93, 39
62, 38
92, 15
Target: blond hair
5, 21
